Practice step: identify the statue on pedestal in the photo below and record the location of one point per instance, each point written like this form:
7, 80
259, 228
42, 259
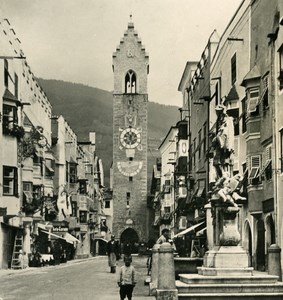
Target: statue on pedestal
225, 190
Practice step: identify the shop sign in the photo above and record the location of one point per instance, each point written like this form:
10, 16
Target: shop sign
60, 229
83, 228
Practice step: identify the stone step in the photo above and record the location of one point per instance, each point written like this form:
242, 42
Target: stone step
225, 271
232, 296
256, 288
201, 279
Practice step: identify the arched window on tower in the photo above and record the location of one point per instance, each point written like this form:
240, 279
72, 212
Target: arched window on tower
130, 82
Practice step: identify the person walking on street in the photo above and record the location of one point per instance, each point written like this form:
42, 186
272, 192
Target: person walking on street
127, 249
164, 236
113, 252
127, 279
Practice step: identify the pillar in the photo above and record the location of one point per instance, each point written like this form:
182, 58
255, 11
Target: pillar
274, 258
154, 269
166, 285
26, 240
209, 226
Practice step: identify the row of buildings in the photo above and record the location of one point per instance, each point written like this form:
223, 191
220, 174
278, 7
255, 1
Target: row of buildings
241, 74
51, 185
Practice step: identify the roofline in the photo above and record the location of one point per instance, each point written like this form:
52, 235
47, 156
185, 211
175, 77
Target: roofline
171, 128
183, 75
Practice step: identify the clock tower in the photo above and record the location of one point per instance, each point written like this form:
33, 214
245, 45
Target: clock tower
130, 98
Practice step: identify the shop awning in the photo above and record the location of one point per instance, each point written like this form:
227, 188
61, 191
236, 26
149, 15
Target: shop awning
100, 238
54, 235
44, 226
70, 238
189, 229
201, 232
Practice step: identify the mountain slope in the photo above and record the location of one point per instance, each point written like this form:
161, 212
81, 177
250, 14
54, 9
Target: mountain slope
90, 109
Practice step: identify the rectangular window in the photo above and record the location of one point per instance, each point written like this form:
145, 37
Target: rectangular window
10, 118
88, 169
216, 94
244, 115
264, 93
255, 165
83, 217
194, 153
268, 164
6, 73
199, 144
253, 96
235, 114
27, 192
37, 192
128, 195
107, 204
67, 171
16, 86
27, 186
82, 187
74, 208
73, 172
233, 69
167, 209
49, 171
190, 158
204, 138
130, 178
10, 181
280, 77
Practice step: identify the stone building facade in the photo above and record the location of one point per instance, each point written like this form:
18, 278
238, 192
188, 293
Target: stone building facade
42, 170
130, 100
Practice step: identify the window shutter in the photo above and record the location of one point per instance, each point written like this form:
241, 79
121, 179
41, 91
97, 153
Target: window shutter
255, 164
15, 181
267, 153
255, 161
253, 100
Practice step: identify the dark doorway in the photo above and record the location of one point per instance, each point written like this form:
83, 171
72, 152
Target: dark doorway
250, 245
130, 236
260, 249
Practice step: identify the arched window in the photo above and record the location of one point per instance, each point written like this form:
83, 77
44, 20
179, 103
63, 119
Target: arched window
130, 82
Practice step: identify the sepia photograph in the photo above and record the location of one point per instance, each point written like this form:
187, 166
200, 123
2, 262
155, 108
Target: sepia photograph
141, 149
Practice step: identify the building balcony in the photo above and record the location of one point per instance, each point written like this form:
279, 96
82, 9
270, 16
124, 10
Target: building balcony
13, 129
166, 218
255, 196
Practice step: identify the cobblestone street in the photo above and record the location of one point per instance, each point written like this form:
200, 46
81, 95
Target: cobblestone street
81, 279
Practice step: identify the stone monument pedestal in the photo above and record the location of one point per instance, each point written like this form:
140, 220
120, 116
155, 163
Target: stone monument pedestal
227, 260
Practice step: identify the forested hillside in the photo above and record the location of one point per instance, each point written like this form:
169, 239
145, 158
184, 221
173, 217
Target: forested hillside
90, 109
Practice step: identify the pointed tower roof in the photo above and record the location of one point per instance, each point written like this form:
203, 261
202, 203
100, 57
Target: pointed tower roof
252, 75
130, 31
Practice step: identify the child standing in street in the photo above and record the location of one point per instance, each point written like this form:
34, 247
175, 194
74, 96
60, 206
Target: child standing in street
127, 279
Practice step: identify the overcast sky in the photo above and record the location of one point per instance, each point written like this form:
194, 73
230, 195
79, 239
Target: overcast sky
73, 40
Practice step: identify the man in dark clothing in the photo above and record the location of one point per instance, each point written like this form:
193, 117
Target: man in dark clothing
113, 251
127, 249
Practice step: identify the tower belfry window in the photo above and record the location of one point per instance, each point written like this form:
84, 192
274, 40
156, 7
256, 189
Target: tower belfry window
130, 82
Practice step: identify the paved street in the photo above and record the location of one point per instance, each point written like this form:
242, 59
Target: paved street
84, 279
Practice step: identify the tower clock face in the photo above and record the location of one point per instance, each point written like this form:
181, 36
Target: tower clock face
130, 138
